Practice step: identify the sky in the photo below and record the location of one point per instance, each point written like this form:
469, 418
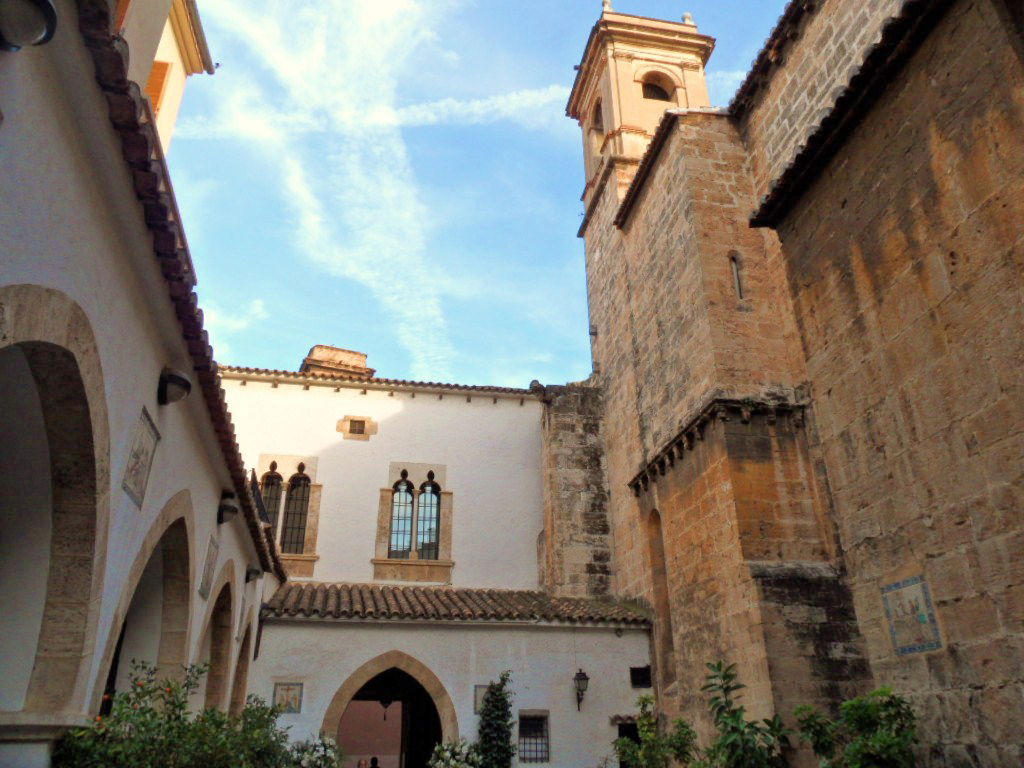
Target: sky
398, 177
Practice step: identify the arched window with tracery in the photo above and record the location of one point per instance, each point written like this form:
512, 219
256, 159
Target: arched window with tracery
400, 542
296, 511
428, 519
271, 488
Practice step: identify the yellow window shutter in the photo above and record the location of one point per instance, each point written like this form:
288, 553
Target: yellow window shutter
156, 84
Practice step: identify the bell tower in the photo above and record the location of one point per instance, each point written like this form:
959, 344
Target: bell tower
633, 70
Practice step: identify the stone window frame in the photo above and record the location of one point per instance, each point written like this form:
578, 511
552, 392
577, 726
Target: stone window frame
370, 427
297, 565
414, 568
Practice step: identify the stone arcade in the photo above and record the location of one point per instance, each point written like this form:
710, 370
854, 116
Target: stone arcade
800, 449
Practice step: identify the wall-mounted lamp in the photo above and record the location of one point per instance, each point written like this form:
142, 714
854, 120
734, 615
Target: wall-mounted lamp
581, 680
228, 508
251, 574
173, 387
26, 22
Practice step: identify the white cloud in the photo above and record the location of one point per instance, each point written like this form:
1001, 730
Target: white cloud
221, 324
348, 185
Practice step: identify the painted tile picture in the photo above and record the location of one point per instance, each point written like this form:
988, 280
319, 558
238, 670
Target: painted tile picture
208, 565
288, 697
911, 617
140, 458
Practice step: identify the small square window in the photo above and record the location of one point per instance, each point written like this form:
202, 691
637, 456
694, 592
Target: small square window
357, 427
533, 739
640, 677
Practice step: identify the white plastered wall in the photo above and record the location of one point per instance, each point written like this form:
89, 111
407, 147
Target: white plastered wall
174, 86
70, 222
542, 659
489, 449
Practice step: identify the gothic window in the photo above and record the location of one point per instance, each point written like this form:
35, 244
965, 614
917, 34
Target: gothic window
428, 519
271, 488
737, 273
533, 739
296, 510
401, 519
656, 92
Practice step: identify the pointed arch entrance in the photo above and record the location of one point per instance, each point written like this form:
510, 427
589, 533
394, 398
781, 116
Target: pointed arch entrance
426, 712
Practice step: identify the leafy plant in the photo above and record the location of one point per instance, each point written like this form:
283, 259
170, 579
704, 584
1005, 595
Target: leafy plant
455, 754
873, 731
655, 750
738, 743
150, 726
494, 740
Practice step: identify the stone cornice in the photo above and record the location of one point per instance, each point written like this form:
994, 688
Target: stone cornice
715, 409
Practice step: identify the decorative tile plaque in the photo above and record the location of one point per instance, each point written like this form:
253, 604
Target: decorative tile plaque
911, 616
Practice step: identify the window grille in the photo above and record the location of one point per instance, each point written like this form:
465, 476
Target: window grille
428, 519
357, 427
296, 509
640, 677
271, 489
401, 519
533, 739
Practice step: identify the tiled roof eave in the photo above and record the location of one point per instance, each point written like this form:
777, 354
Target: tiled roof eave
132, 121
396, 603
900, 37
357, 382
271, 617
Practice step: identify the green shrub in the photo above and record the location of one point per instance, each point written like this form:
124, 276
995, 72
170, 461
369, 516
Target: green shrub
655, 750
494, 735
150, 726
873, 731
738, 742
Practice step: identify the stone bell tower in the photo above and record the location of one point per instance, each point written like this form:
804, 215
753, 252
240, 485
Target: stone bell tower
633, 69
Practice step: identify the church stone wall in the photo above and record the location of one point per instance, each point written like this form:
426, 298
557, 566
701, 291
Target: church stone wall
828, 45
904, 260
576, 555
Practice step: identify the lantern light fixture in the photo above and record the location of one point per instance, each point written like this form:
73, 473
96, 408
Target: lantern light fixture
581, 680
173, 387
26, 22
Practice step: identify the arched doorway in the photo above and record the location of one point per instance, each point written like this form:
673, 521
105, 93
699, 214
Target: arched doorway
155, 626
48, 525
393, 718
239, 686
359, 685
665, 639
215, 650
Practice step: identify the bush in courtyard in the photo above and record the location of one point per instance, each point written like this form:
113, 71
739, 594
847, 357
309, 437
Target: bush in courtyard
150, 726
494, 735
873, 731
738, 742
455, 754
654, 749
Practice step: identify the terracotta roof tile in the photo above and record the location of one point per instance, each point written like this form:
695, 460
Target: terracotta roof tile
234, 371
338, 602
132, 120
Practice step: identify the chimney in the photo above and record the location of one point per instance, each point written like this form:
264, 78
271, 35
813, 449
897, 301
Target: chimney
334, 361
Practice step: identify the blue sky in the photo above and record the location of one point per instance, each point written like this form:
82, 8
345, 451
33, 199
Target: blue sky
398, 177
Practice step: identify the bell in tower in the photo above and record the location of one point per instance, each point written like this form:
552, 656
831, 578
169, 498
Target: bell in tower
633, 69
